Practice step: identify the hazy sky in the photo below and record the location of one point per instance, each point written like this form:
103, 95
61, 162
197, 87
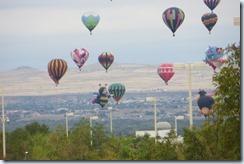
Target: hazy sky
34, 32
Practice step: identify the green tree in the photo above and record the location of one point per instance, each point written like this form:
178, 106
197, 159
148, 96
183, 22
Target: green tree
219, 136
18, 142
36, 127
59, 145
80, 138
110, 148
41, 147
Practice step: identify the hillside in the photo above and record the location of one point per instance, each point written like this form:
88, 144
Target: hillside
136, 77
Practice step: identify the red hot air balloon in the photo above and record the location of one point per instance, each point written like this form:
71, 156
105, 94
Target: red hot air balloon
166, 72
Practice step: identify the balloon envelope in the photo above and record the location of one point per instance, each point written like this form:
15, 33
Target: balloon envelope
166, 72
209, 20
173, 17
102, 97
215, 56
106, 59
118, 90
90, 20
211, 3
56, 69
79, 56
204, 102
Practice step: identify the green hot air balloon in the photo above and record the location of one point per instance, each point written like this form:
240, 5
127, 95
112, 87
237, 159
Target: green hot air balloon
90, 20
117, 90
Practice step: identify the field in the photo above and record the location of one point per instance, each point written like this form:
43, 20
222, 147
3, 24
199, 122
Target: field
136, 78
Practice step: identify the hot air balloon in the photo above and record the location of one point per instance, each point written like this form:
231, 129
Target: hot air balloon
79, 56
215, 56
211, 65
106, 59
196, 97
166, 72
90, 20
117, 90
209, 20
56, 69
102, 96
211, 4
173, 17
205, 103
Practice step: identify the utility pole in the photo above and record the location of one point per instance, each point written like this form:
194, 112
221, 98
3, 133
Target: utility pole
3, 125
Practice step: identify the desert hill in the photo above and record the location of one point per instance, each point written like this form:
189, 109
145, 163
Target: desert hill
136, 77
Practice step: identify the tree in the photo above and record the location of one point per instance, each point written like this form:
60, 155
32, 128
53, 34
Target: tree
219, 136
41, 147
18, 143
35, 127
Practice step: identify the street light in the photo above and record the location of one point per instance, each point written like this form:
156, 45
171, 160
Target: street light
92, 118
71, 114
153, 99
3, 125
111, 126
177, 118
26, 154
189, 66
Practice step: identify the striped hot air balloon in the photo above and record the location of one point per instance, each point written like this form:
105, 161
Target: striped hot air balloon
117, 90
209, 20
211, 4
173, 17
56, 69
106, 59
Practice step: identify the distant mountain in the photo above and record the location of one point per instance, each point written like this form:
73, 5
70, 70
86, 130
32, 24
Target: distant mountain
136, 78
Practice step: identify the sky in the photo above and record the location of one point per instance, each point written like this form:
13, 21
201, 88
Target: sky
34, 32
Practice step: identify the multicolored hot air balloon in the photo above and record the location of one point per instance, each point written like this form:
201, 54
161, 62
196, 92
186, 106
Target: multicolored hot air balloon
166, 72
56, 69
215, 57
79, 56
117, 90
102, 96
209, 20
205, 103
211, 65
173, 17
211, 4
106, 59
90, 20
